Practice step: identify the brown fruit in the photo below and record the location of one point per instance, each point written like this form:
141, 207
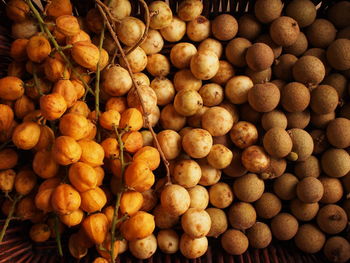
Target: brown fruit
337, 249
249, 27
58, 8
248, 188
244, 134
242, 215
234, 242
295, 97
277, 142
264, 97
338, 14
17, 10
338, 54
309, 168
224, 27
267, 11
39, 233
338, 132
235, 51
284, 226
25, 182
6, 117
321, 33
299, 46
310, 190
283, 66
285, 186
273, 119
259, 235
259, 57
335, 162
332, 219
255, 159
303, 144
303, 211
303, 11
333, 190
284, 31
309, 238
309, 70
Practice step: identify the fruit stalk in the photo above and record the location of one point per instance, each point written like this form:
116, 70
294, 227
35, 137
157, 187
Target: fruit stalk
58, 236
9, 217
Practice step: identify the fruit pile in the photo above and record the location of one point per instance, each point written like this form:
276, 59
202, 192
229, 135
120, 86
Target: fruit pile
251, 119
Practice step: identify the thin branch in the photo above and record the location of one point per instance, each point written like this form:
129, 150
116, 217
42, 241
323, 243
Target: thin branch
146, 114
9, 217
58, 236
56, 46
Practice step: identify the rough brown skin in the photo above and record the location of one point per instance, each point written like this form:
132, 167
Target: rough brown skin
324, 99
249, 27
246, 112
337, 249
309, 238
303, 211
266, 11
264, 97
309, 168
276, 169
299, 47
337, 81
303, 11
332, 219
338, 14
298, 119
259, 77
266, 38
338, 54
284, 31
321, 120
295, 97
309, 70
242, 215
259, 57
283, 66
268, 205
235, 51
310, 190
335, 162
321, 55
321, 33
284, 226
272, 119
234, 242
338, 132
248, 188
302, 143
320, 141
285, 186
277, 142
259, 235
224, 27
333, 190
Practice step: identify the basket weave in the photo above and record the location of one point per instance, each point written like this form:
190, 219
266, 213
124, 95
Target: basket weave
17, 247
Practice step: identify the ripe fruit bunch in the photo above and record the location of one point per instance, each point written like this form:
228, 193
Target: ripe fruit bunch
252, 117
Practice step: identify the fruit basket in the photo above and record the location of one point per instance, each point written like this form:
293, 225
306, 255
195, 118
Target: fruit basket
17, 245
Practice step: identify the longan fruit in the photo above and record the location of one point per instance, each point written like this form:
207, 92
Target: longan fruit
197, 143
196, 222
332, 219
311, 167
276, 168
337, 249
199, 197
210, 175
320, 141
217, 121
285, 186
284, 31
259, 235
275, 118
187, 102
338, 132
259, 77
324, 99
193, 247
299, 46
170, 143
212, 94
309, 238
224, 27
242, 215
309, 70
249, 27
266, 38
299, 119
303, 211
248, 188
303, 11
295, 97
235, 51
213, 45
284, 226
236, 89
303, 144
310, 190
321, 33
219, 156
321, 120
264, 97
283, 66
255, 159
234, 242
175, 199
244, 134
170, 119
220, 195
218, 222
259, 57
335, 162
333, 190
163, 219
338, 54
225, 72
187, 173
168, 241
143, 248
337, 81
277, 142
266, 11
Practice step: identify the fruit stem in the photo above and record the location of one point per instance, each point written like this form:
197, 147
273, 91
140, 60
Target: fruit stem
36, 82
145, 113
57, 47
115, 220
9, 217
58, 236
